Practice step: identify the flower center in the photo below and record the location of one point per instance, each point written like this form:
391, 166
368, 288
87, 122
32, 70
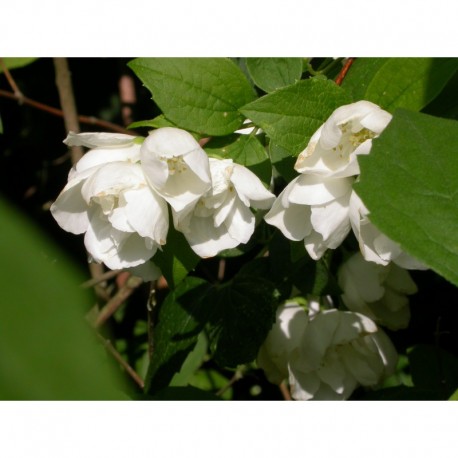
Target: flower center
351, 140
176, 165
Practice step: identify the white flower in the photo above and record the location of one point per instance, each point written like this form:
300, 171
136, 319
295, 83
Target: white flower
175, 166
339, 351
377, 291
314, 209
107, 198
347, 133
221, 218
320, 206
282, 340
374, 245
328, 356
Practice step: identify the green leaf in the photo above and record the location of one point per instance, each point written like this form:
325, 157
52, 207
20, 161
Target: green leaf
433, 369
399, 82
157, 122
176, 259
246, 150
211, 380
192, 363
283, 161
17, 62
273, 73
198, 94
243, 314
48, 350
181, 319
454, 396
409, 183
290, 116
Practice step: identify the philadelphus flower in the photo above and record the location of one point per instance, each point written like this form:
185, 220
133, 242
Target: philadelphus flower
221, 218
320, 206
326, 357
176, 167
379, 292
107, 198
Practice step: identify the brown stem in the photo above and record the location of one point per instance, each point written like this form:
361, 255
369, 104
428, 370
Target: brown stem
106, 276
340, 77
91, 120
17, 92
285, 392
117, 300
108, 345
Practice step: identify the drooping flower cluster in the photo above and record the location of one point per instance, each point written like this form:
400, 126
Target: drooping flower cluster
379, 292
327, 356
117, 195
320, 205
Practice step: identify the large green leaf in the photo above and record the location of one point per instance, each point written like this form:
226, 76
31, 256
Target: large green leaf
181, 319
243, 314
399, 82
291, 115
243, 149
48, 350
409, 183
199, 94
272, 73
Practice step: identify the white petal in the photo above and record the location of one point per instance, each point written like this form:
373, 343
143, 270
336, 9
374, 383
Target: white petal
111, 179
148, 271
240, 222
318, 336
104, 155
303, 385
207, 240
250, 189
147, 213
314, 245
386, 350
332, 220
223, 211
315, 190
70, 210
96, 139
294, 221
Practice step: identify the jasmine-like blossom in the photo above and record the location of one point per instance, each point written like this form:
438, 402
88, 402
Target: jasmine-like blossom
377, 291
221, 218
108, 198
328, 356
176, 167
320, 206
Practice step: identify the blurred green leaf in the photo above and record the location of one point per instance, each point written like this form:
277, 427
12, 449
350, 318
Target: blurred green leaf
181, 319
290, 116
199, 94
17, 62
48, 350
272, 73
211, 380
454, 396
246, 150
182, 393
399, 82
409, 183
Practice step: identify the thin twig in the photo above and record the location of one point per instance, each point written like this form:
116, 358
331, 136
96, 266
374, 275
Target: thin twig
109, 346
90, 120
150, 311
285, 392
340, 77
11, 82
106, 276
117, 300
236, 377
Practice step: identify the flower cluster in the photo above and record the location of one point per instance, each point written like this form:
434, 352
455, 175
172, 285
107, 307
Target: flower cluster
379, 292
327, 355
320, 205
117, 195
